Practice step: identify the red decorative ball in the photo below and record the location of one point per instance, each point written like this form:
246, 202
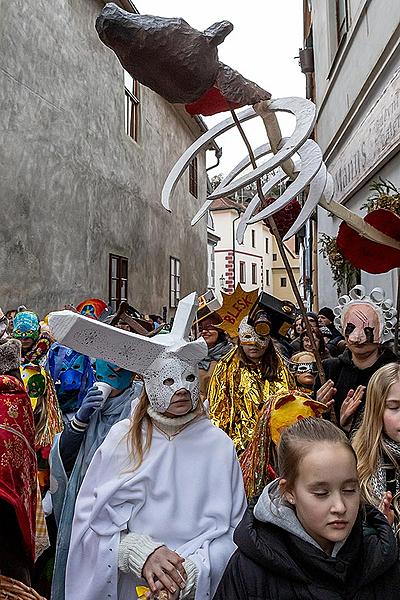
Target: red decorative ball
285, 217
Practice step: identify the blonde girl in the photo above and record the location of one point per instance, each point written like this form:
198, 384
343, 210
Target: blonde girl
307, 536
377, 443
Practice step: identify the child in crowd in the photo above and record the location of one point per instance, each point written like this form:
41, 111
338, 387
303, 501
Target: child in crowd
163, 494
307, 536
377, 443
304, 369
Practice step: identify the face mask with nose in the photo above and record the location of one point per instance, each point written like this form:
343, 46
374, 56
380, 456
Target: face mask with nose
167, 376
365, 318
362, 323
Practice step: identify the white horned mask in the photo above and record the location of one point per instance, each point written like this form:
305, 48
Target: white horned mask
366, 318
168, 363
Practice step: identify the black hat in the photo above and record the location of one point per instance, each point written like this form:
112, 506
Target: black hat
208, 304
327, 312
271, 315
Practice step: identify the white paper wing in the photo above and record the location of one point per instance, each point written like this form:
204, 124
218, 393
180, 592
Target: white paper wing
98, 340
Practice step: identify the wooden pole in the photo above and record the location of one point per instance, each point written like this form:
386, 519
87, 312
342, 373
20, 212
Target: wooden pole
282, 250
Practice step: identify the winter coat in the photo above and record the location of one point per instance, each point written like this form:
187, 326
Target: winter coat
346, 376
273, 564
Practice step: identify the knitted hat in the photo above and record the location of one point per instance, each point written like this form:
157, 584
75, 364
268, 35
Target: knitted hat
327, 312
10, 355
313, 316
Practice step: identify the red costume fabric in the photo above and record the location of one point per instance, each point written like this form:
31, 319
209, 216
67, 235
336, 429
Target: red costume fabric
18, 465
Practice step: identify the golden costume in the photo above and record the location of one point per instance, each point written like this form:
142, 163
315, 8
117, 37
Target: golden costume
237, 394
259, 462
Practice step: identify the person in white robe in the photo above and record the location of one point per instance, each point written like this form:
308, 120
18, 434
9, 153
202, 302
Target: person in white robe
156, 511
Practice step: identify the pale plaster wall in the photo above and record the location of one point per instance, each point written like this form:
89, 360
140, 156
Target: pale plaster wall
73, 186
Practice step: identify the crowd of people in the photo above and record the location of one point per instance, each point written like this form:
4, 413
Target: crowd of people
145, 460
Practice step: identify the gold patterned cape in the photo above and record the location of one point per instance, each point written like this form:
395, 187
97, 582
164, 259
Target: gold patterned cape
237, 394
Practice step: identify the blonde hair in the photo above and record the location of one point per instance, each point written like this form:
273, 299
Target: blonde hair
303, 357
368, 442
135, 433
298, 439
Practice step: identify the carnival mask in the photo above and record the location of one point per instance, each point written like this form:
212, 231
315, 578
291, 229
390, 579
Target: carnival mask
26, 325
166, 377
35, 382
362, 323
71, 374
92, 308
249, 336
289, 407
305, 367
109, 373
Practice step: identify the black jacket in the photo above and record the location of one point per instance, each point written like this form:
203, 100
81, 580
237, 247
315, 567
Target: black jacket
346, 376
272, 564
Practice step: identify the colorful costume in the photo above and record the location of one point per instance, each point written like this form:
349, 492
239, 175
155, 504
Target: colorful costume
72, 374
92, 307
237, 394
40, 389
258, 461
26, 325
17, 458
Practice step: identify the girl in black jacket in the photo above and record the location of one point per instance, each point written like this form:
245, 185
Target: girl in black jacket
306, 537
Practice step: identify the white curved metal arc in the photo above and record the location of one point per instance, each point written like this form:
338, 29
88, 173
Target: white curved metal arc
304, 111
200, 213
317, 186
311, 160
329, 187
267, 187
243, 164
195, 148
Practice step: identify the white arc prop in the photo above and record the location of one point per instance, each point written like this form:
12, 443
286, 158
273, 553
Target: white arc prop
302, 109
310, 171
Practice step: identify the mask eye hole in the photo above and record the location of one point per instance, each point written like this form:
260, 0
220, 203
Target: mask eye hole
350, 327
190, 377
169, 381
76, 367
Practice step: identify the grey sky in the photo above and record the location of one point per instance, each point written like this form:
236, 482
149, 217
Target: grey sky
266, 37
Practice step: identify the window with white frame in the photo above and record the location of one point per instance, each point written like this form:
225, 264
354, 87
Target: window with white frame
242, 272
266, 276
175, 281
131, 106
254, 273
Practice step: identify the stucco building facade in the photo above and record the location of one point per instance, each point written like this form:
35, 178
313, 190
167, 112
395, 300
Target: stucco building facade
254, 264
355, 83
84, 153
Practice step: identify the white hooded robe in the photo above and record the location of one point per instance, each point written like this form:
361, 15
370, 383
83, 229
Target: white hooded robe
188, 494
